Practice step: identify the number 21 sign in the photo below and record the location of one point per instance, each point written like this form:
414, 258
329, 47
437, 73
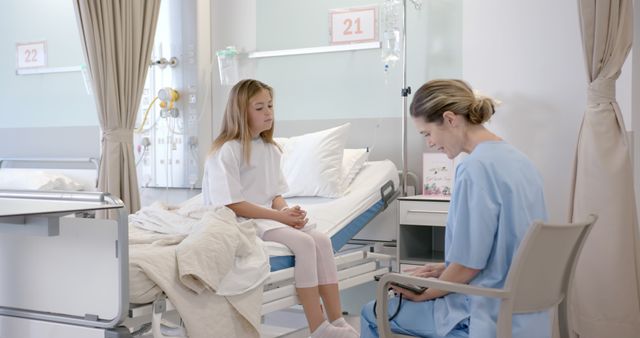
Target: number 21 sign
350, 25
32, 54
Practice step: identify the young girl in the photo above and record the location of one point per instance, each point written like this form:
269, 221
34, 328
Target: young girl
243, 173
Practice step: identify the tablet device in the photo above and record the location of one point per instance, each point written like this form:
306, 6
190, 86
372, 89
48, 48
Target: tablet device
413, 288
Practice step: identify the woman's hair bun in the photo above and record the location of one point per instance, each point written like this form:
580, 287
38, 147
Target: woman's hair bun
481, 110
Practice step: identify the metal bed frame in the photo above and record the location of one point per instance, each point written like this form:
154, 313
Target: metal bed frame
94, 161
34, 225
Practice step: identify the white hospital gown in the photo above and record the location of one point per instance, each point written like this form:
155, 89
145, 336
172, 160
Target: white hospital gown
229, 179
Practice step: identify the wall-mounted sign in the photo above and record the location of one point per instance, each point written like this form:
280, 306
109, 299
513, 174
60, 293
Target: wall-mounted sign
349, 25
32, 54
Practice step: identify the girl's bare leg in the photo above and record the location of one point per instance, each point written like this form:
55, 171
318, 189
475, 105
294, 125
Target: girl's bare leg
310, 300
331, 299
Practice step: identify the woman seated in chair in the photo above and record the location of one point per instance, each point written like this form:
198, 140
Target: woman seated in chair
497, 194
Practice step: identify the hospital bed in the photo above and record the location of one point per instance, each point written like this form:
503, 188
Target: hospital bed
370, 193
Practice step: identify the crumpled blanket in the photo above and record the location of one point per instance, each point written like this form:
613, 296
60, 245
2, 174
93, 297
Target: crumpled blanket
168, 219
223, 255
210, 266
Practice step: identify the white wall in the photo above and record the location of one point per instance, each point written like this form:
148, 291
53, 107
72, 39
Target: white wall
529, 55
305, 95
531, 58
205, 76
233, 23
520, 52
46, 99
350, 84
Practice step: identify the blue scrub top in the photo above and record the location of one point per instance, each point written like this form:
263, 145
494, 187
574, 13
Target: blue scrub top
497, 195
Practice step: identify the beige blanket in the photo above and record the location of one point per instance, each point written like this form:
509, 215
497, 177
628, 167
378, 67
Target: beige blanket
190, 269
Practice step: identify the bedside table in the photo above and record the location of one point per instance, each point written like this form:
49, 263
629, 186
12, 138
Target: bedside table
421, 229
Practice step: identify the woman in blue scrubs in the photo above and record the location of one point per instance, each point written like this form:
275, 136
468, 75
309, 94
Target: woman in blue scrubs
497, 194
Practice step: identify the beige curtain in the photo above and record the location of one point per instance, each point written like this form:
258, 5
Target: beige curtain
605, 297
117, 36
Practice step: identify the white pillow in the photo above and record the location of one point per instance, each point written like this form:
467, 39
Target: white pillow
352, 162
312, 163
60, 182
28, 179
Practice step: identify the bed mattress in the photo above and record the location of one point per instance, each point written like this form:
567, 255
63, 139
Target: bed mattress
341, 218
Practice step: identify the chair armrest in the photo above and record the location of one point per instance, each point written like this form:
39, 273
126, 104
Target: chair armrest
438, 284
382, 297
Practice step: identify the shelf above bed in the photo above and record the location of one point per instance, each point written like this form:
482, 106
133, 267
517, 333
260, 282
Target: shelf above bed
316, 50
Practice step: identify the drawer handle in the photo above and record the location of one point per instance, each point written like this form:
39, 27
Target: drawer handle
427, 212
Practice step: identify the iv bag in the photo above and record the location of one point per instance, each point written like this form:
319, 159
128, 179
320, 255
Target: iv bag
391, 31
228, 65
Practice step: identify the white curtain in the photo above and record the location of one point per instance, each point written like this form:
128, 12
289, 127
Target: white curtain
117, 38
605, 294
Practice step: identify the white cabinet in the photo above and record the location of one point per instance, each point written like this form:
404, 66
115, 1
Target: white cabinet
421, 229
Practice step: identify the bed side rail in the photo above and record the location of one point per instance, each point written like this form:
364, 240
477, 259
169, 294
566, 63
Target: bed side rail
83, 196
92, 160
388, 193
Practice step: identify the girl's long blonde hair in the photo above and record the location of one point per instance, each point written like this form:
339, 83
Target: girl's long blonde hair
235, 122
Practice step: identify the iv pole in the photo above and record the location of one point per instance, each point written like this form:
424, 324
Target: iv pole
405, 91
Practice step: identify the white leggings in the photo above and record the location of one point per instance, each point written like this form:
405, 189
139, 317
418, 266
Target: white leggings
314, 255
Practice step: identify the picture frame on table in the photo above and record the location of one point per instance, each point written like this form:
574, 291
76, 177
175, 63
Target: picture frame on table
438, 172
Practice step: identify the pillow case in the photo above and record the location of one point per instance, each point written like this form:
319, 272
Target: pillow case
352, 162
312, 163
60, 182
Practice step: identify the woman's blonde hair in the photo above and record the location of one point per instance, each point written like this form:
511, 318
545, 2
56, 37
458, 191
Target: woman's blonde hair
235, 122
436, 97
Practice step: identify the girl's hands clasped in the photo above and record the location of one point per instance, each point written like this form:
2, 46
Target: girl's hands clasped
294, 216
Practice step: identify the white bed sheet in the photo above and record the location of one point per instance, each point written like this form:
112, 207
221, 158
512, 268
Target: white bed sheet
332, 214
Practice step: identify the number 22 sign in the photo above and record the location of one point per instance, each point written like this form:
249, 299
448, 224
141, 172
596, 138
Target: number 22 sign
353, 25
33, 54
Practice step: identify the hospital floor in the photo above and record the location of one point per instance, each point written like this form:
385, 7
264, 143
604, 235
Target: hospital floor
291, 323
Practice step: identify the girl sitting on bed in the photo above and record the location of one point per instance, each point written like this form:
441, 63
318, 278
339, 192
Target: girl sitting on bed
243, 173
